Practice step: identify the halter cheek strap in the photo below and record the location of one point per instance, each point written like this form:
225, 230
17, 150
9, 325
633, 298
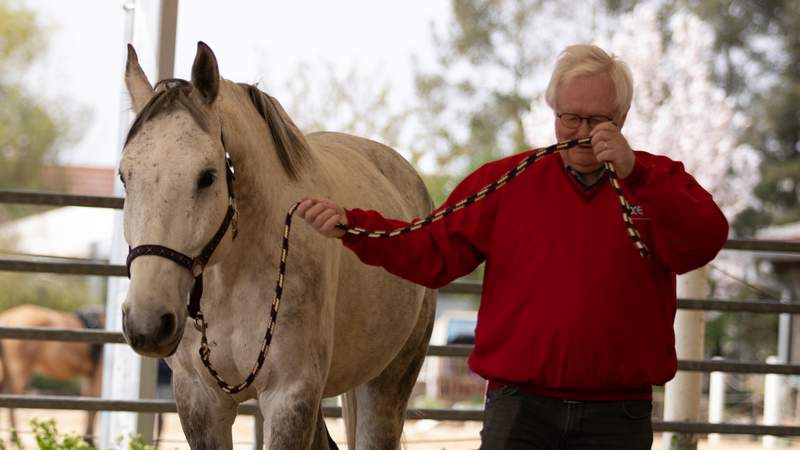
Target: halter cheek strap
195, 265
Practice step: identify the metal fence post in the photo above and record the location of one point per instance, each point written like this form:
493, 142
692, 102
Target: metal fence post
682, 394
716, 402
773, 397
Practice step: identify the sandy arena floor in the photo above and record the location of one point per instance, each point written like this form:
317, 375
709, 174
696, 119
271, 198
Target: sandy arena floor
419, 434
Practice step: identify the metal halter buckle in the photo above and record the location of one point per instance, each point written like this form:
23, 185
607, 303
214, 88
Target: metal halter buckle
197, 266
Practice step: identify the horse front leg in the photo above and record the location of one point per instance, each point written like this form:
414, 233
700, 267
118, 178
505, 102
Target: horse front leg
292, 415
206, 414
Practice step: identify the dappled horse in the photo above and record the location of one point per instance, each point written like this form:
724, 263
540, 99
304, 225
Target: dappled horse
343, 327
21, 359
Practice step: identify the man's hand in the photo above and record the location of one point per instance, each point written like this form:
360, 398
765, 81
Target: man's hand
610, 145
323, 215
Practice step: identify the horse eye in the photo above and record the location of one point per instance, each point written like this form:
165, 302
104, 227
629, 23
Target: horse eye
206, 179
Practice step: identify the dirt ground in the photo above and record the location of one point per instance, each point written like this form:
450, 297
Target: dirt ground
418, 435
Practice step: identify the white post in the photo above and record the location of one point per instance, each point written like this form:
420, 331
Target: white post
773, 396
682, 394
716, 403
127, 376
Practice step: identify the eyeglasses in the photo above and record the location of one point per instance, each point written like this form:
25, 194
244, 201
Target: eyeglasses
573, 121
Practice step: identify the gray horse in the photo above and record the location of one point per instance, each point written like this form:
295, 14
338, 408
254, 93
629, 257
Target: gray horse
343, 328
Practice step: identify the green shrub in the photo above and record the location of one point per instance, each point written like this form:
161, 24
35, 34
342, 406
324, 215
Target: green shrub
48, 438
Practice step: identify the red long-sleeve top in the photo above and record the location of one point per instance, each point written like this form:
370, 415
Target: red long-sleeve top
569, 308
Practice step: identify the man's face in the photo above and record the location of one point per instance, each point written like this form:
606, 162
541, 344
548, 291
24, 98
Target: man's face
586, 95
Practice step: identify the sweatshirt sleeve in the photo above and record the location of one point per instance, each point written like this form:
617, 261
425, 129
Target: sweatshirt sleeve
688, 228
434, 255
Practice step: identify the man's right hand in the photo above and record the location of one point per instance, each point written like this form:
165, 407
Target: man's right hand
323, 215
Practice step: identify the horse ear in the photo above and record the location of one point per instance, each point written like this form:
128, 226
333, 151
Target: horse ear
205, 73
139, 88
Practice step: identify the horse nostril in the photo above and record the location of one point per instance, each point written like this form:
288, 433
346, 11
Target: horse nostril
167, 326
135, 340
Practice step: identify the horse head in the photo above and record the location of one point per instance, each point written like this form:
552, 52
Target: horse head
174, 169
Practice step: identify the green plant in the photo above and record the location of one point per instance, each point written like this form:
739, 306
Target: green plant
14, 440
137, 443
48, 438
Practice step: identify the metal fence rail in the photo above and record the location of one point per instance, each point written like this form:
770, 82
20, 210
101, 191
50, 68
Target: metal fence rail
41, 265
115, 337
251, 408
62, 334
54, 199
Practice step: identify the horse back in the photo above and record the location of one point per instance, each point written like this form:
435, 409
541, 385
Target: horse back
371, 175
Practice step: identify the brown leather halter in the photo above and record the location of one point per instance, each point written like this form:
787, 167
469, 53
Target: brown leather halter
197, 264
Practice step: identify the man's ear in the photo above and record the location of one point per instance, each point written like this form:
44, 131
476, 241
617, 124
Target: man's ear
621, 121
139, 88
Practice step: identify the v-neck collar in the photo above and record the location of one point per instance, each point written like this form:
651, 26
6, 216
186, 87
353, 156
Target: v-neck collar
586, 194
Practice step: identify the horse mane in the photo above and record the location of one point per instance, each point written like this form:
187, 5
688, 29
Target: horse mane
290, 143
169, 95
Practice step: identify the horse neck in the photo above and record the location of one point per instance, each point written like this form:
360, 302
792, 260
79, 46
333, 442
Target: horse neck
264, 193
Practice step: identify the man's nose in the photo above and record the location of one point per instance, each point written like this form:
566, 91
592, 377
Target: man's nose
583, 128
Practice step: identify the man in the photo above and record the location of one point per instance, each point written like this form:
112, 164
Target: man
574, 325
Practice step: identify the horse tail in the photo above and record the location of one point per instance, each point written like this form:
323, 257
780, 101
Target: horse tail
349, 414
7, 385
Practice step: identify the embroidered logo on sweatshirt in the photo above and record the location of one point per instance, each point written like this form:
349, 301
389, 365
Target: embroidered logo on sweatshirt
635, 210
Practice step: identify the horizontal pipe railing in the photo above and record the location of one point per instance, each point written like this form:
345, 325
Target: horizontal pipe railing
62, 334
251, 408
115, 337
56, 199
36, 265
751, 306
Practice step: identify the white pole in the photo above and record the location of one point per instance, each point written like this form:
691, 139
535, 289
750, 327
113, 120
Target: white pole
113, 423
682, 394
126, 376
716, 403
773, 394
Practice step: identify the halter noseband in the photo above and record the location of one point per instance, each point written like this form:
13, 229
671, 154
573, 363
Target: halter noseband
197, 264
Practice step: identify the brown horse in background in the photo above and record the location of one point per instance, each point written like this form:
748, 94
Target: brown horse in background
21, 359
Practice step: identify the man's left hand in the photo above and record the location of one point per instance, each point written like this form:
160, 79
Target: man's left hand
610, 145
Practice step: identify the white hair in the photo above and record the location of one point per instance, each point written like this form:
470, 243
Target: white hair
586, 59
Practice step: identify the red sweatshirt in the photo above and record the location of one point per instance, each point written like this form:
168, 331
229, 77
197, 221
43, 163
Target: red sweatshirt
569, 308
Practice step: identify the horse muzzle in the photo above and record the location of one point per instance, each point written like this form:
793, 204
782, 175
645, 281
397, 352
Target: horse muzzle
156, 338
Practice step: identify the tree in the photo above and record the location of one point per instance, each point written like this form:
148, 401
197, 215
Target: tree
678, 110
29, 133
351, 101
757, 48
29, 127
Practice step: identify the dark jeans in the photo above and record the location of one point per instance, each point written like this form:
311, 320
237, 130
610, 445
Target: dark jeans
517, 420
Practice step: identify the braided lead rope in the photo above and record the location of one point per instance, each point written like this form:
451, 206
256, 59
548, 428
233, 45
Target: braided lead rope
626, 212
205, 350
202, 325
508, 176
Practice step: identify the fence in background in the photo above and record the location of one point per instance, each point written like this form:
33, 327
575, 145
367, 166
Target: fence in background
44, 265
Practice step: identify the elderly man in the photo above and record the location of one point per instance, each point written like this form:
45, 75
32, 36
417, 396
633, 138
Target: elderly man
574, 326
